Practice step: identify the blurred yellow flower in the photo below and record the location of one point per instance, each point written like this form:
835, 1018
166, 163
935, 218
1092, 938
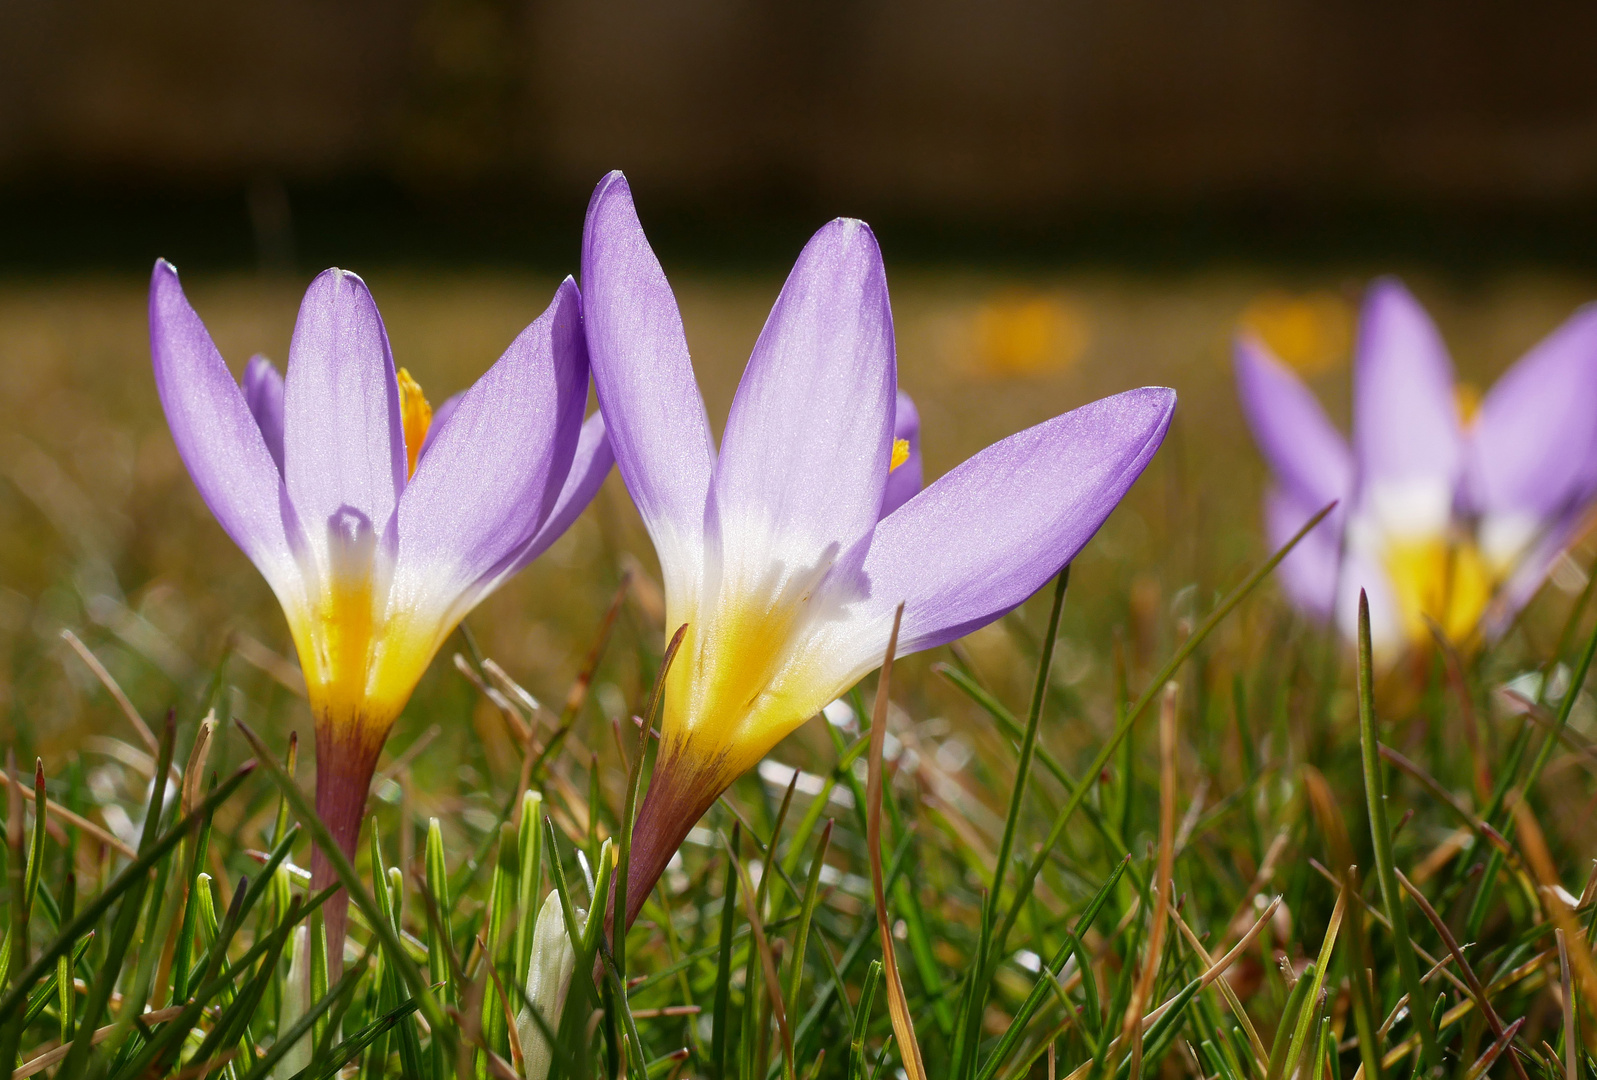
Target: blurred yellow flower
1023, 332
1312, 332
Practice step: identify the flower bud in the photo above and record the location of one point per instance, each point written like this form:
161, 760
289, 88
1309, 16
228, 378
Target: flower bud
296, 999
548, 977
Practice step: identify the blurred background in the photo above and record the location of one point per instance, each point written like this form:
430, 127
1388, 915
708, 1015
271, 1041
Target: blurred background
1073, 199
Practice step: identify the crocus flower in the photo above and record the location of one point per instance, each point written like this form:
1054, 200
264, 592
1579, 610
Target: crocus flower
775, 550
1448, 515
377, 529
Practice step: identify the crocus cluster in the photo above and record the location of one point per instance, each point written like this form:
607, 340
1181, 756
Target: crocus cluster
785, 550
1450, 513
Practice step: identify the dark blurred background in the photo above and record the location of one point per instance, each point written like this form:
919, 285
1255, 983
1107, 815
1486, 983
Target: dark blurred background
1143, 133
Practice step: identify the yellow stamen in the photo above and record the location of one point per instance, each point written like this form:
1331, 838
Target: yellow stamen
1450, 584
416, 415
1468, 398
900, 453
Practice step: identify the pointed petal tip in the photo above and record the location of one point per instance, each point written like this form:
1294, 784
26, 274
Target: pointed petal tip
1389, 294
260, 363
613, 188
164, 283
335, 276
1248, 351
1158, 399
850, 236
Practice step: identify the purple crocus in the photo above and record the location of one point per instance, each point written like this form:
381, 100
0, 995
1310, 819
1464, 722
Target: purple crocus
787, 551
1448, 514
377, 529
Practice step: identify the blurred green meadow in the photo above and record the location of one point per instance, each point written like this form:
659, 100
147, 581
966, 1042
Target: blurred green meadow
102, 534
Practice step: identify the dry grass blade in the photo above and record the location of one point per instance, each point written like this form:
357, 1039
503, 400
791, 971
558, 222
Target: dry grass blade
198, 755
1132, 1026
762, 945
504, 1005
1544, 716
520, 730
579, 688
1429, 782
1494, 1051
1477, 991
1571, 1062
410, 754
1261, 1053
1265, 875
897, 1001
1535, 847
115, 691
67, 817
283, 672
43, 1061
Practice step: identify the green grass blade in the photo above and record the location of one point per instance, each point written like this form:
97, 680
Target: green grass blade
346, 1051
126, 922
1134, 713
287, 1039
501, 912
1297, 1003
529, 841
719, 1033
862, 1020
1381, 835
812, 888
131, 877
352, 884
1040, 990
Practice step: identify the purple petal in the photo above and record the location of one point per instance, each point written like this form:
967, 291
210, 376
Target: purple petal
644, 379
488, 482
440, 418
1533, 448
216, 435
1307, 454
1405, 418
807, 444
987, 535
1530, 571
263, 392
343, 445
1362, 573
1310, 572
904, 482
1323, 575
590, 465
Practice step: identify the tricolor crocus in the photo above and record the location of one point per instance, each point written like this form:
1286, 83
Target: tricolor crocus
1450, 514
786, 551
377, 528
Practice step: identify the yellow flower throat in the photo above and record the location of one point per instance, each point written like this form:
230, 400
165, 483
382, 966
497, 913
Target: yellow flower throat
360, 666
1448, 583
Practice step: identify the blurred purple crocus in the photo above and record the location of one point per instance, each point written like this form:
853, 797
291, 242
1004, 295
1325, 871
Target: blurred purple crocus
377, 528
787, 551
1448, 514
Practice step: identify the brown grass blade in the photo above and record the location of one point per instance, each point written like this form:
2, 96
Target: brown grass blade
1541, 862
67, 817
1133, 1024
897, 1001
115, 691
